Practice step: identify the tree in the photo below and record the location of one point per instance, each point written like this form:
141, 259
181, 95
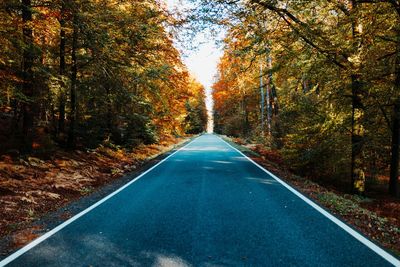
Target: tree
341, 54
196, 118
28, 59
84, 73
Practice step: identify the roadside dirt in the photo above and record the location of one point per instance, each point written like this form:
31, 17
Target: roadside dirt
376, 216
31, 188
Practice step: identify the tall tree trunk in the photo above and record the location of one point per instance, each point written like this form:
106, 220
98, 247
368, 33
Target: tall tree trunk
28, 108
394, 161
357, 137
246, 118
357, 114
61, 108
74, 71
262, 99
275, 103
245, 115
268, 90
109, 111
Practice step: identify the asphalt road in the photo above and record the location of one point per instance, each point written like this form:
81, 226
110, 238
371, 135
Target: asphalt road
206, 205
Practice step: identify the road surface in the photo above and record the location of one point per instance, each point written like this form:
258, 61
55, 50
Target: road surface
206, 205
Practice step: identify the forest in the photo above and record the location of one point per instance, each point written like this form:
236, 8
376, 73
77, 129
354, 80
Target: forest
96, 94
76, 74
317, 81
89, 90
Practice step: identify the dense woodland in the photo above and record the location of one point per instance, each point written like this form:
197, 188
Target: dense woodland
84, 72
92, 90
319, 81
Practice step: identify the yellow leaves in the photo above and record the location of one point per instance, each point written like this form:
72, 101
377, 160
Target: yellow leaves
355, 59
359, 180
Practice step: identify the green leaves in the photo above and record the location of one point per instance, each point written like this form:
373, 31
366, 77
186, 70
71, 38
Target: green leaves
334, 68
129, 82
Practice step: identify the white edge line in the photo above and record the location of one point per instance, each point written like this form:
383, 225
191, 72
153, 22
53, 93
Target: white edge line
40, 239
385, 255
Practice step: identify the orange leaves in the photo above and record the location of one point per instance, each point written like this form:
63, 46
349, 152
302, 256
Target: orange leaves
32, 186
25, 236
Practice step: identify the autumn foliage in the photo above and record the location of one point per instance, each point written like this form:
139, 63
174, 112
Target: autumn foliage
79, 73
319, 81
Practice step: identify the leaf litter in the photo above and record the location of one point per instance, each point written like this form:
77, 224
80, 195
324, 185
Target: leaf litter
31, 187
377, 216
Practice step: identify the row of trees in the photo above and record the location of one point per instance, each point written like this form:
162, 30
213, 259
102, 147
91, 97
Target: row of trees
329, 95
84, 71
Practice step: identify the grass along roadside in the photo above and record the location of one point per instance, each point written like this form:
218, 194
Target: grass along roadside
31, 188
378, 219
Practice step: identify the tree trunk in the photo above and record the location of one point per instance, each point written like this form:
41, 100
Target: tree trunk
357, 138
268, 90
262, 99
357, 114
274, 103
28, 108
245, 119
394, 161
74, 70
61, 108
109, 111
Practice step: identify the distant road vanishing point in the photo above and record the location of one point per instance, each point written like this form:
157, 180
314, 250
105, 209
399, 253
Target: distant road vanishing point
204, 205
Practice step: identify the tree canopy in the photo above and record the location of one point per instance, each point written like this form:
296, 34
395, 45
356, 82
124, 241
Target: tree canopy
78, 73
317, 80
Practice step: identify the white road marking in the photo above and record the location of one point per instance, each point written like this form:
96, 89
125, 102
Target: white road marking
391, 259
45, 236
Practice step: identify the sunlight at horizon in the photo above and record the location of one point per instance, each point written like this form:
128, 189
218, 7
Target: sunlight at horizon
202, 62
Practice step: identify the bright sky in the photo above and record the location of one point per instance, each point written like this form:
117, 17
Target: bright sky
203, 61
